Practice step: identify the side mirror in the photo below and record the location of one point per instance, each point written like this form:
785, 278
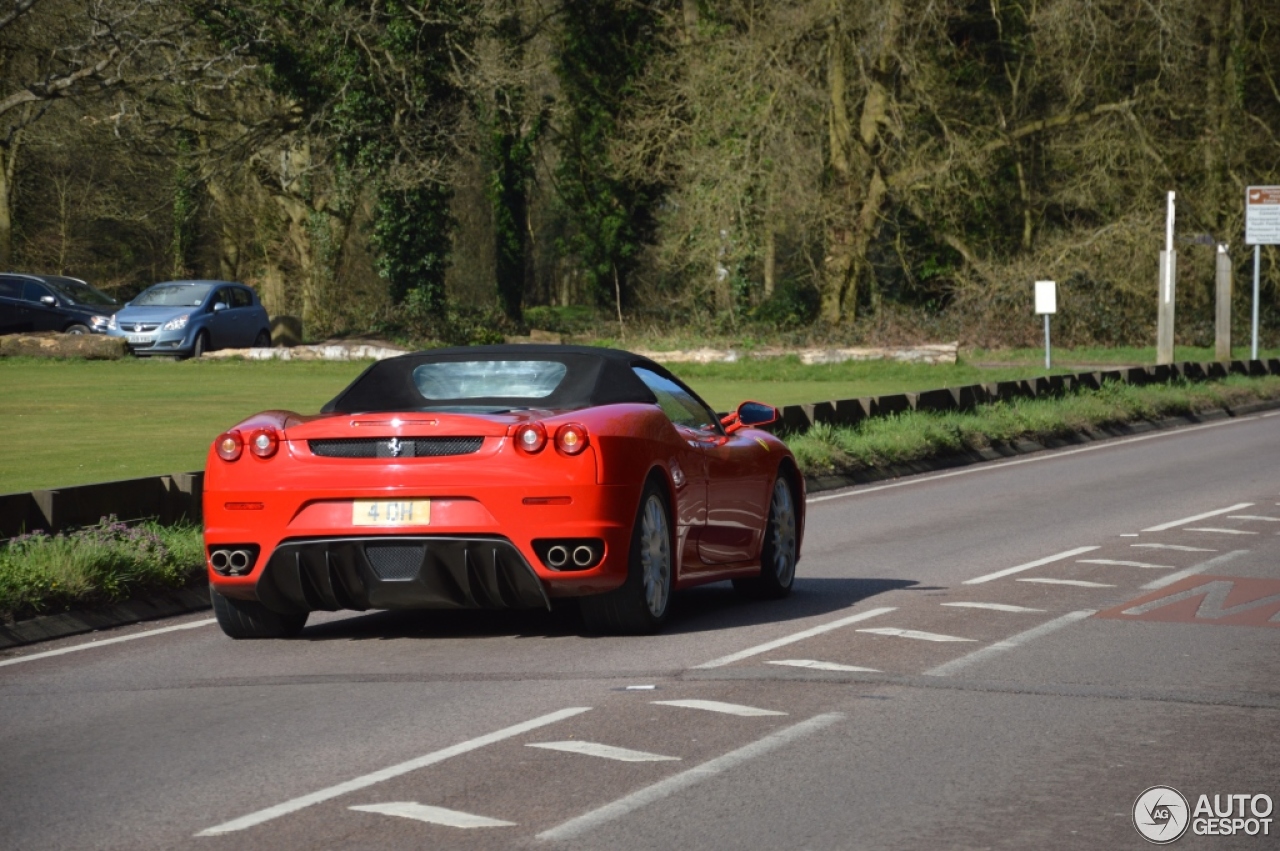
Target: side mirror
48, 301
750, 415
219, 306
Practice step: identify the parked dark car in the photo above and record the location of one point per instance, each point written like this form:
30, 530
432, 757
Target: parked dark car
52, 303
189, 318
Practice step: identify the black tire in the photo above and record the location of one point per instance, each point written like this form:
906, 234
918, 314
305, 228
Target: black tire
641, 604
76, 328
251, 619
201, 345
262, 341
778, 550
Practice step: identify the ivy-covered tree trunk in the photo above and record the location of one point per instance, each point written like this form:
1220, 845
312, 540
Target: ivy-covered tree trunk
603, 51
413, 232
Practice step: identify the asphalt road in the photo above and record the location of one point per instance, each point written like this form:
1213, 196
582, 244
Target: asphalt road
1003, 656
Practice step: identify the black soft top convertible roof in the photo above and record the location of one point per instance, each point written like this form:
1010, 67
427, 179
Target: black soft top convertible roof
594, 376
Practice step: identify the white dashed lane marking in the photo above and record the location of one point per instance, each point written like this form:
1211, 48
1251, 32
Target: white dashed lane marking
1172, 523
718, 706
1009, 571
823, 666
1124, 563
432, 815
1177, 547
913, 633
791, 639
603, 751
665, 788
1253, 517
1021, 638
1178, 576
1220, 531
1079, 583
995, 607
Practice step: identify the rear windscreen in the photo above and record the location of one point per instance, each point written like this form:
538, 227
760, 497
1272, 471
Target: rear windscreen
507, 379
173, 295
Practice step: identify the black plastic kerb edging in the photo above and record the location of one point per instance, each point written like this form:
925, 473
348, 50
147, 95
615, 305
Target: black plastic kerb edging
798, 419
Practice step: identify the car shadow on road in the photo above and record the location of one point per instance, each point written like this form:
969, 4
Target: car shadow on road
703, 609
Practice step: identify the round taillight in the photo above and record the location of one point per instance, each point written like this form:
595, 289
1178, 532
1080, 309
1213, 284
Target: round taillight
229, 445
571, 438
264, 442
531, 437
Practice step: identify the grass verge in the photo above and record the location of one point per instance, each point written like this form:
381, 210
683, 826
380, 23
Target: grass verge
106, 563
914, 436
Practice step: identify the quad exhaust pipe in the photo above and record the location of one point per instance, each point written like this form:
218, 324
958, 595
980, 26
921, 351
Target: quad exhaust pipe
232, 562
570, 553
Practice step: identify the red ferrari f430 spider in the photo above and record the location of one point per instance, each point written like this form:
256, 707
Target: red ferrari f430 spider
498, 477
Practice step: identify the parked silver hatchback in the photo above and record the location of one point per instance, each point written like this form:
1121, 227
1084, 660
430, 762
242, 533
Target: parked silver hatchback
189, 318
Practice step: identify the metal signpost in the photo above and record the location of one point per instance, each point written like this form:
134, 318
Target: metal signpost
1168, 276
1046, 304
1261, 227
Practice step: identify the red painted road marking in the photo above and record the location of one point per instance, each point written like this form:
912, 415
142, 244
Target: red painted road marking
1223, 600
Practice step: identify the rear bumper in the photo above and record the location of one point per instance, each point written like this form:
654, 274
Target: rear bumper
397, 572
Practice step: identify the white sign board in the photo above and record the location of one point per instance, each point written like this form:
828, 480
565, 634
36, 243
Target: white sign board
1262, 215
1046, 297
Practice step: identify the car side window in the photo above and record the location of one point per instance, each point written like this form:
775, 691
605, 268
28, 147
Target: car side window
681, 407
31, 291
222, 296
241, 298
10, 288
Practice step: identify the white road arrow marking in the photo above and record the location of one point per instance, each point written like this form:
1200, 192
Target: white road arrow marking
913, 633
603, 751
1079, 583
995, 607
432, 815
823, 666
718, 706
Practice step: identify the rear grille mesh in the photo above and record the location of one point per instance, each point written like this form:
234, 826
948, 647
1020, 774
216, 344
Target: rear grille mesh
383, 447
394, 562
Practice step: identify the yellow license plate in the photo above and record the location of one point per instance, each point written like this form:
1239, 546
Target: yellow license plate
388, 512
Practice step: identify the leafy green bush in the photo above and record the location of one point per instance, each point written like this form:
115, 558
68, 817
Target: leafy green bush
99, 564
